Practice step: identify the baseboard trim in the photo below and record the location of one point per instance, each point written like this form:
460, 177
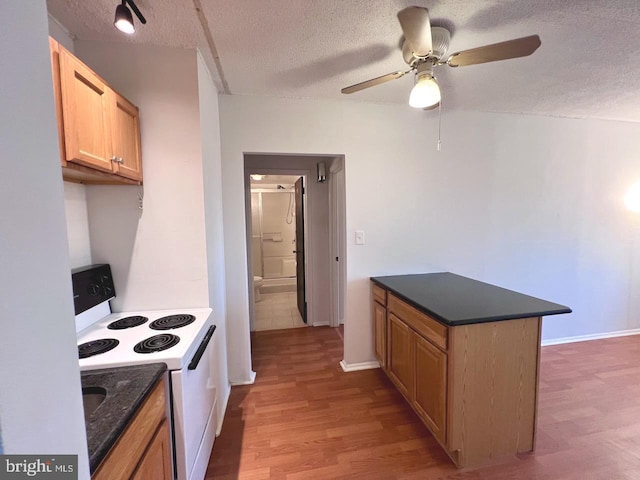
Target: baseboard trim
587, 338
354, 367
251, 381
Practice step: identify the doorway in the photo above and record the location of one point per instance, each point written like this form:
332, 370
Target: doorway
318, 256
277, 251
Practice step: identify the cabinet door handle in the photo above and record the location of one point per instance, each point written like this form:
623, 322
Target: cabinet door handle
114, 159
120, 160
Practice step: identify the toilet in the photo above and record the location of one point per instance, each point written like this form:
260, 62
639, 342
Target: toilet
257, 282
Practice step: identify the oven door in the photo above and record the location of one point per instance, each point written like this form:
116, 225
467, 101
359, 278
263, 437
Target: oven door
194, 415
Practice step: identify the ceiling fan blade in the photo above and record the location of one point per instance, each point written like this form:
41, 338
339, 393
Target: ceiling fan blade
373, 82
520, 47
416, 27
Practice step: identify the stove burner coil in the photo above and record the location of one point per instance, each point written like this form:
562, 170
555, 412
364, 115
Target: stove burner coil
127, 322
172, 321
96, 347
156, 343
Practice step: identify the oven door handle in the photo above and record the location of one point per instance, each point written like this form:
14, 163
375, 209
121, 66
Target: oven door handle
203, 346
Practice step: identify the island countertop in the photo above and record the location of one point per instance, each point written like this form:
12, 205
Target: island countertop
456, 300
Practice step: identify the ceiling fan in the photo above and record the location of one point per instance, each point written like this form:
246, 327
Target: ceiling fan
425, 47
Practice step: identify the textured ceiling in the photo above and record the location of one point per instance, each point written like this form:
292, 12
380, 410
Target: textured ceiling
586, 66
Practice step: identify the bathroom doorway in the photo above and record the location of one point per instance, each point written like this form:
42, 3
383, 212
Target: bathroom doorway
276, 248
318, 259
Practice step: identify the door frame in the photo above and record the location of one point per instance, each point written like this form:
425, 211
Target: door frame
308, 241
337, 229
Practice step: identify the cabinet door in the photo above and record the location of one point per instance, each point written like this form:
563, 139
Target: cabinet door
380, 333
126, 138
400, 355
85, 111
430, 400
156, 462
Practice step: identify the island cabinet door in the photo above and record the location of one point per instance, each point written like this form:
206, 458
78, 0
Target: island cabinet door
400, 364
430, 399
380, 333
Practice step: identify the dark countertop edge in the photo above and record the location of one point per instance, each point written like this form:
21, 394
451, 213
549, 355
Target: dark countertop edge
99, 454
469, 321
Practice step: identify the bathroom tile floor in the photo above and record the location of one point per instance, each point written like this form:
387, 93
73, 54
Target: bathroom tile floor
276, 311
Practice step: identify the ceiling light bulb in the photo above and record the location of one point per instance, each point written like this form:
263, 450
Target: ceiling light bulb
124, 19
425, 92
257, 177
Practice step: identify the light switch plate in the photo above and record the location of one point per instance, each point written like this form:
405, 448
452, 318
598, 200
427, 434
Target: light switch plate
359, 237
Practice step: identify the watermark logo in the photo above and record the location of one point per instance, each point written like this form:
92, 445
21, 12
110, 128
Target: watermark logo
41, 467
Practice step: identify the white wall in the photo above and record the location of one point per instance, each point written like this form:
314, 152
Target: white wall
75, 207
212, 178
40, 397
528, 203
158, 255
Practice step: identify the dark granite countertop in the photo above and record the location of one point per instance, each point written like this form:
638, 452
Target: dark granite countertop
126, 388
456, 300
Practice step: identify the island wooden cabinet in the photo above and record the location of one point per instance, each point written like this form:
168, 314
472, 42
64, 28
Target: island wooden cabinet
98, 129
143, 451
400, 367
380, 325
474, 386
430, 398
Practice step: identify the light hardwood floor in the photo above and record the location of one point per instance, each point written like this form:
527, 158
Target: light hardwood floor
305, 418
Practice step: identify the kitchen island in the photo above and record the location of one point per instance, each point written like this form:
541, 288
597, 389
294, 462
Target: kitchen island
466, 357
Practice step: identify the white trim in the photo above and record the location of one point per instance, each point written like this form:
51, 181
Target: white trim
354, 367
587, 338
251, 381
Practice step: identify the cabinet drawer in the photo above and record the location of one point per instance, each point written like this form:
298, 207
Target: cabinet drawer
379, 294
426, 326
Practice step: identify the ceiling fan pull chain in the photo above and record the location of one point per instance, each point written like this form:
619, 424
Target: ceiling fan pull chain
439, 123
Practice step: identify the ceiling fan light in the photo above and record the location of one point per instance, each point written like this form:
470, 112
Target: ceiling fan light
124, 19
425, 92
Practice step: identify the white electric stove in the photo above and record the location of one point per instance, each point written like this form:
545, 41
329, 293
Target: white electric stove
180, 338
135, 338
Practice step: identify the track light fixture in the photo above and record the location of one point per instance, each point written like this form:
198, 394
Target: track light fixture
124, 19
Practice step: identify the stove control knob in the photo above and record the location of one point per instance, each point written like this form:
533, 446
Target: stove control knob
93, 289
106, 290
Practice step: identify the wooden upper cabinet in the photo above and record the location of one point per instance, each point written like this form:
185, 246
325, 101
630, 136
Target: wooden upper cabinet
126, 138
57, 95
85, 106
99, 129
